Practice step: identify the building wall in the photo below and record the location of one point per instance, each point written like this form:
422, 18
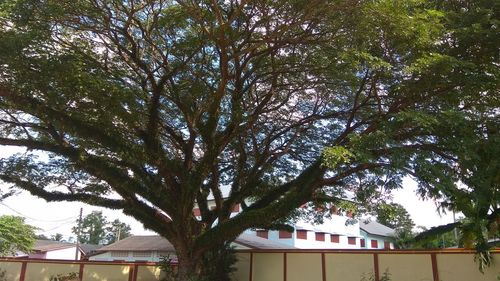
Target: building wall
336, 225
380, 241
149, 256
63, 254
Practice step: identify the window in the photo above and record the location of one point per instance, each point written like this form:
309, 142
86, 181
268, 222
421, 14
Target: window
119, 253
374, 244
387, 245
351, 240
363, 243
263, 233
285, 234
196, 212
320, 236
335, 238
302, 234
141, 254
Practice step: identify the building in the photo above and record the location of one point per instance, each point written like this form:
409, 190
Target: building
338, 231
151, 248
376, 235
57, 250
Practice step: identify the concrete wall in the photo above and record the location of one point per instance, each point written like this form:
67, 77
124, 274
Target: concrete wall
356, 265
292, 265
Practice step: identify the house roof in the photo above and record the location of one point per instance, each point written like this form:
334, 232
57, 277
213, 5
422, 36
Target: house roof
49, 245
375, 228
158, 243
141, 243
255, 242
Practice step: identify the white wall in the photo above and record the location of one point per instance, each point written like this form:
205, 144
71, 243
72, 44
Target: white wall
63, 254
108, 256
380, 241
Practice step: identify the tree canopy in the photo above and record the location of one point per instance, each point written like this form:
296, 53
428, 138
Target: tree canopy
394, 216
15, 236
158, 107
96, 229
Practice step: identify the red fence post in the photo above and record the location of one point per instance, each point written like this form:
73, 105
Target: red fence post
250, 277
435, 272
323, 266
80, 271
23, 270
131, 270
284, 266
375, 267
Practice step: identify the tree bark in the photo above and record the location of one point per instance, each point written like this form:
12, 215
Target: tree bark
187, 266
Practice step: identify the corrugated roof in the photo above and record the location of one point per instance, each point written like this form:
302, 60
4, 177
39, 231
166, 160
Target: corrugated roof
375, 228
49, 245
141, 243
158, 243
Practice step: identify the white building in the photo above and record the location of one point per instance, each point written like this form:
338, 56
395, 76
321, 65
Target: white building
57, 250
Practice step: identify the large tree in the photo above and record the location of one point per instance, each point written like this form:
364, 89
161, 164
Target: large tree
15, 236
96, 229
92, 229
154, 107
117, 230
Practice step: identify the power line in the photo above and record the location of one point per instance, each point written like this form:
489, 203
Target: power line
54, 228
33, 219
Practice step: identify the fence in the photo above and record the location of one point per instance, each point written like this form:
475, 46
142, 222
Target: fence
357, 265
43, 270
289, 265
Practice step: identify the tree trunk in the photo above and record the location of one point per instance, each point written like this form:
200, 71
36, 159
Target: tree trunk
187, 267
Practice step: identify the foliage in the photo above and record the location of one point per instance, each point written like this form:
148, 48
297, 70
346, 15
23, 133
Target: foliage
3, 274
72, 276
155, 107
218, 264
95, 229
117, 230
57, 237
386, 276
394, 216
92, 228
15, 235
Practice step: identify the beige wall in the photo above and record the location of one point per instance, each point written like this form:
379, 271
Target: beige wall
267, 267
348, 267
345, 266
242, 267
461, 267
148, 273
93, 272
43, 271
416, 267
12, 270
295, 264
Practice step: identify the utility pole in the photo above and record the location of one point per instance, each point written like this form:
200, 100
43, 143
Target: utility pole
78, 234
455, 231
118, 234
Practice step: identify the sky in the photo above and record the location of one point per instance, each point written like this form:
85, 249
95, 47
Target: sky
60, 217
